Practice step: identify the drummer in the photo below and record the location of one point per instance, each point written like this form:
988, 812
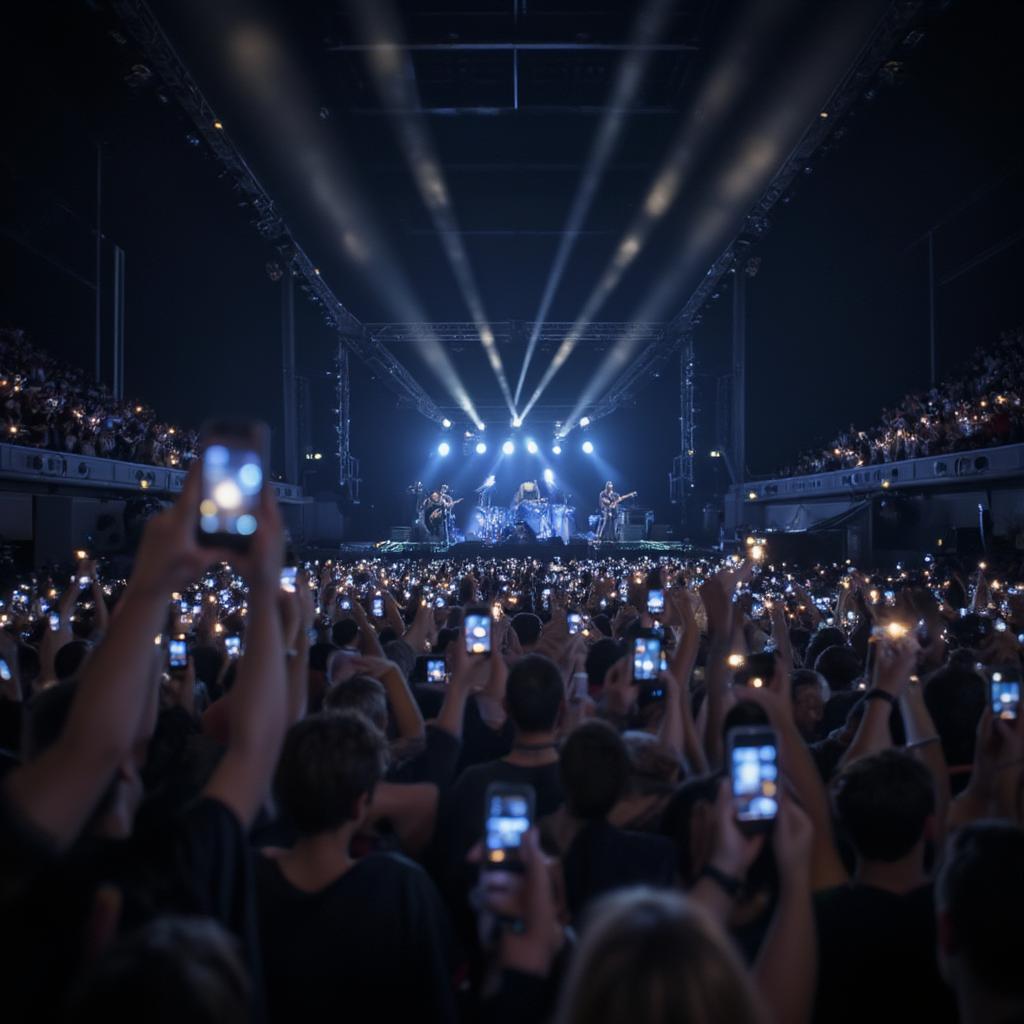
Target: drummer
528, 491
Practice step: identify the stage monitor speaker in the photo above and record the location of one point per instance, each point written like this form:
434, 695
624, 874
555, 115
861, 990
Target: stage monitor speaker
632, 532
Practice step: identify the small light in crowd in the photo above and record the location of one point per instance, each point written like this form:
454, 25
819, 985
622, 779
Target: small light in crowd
446, 423
481, 448
896, 630
443, 449
584, 421
531, 446
823, 115
735, 661
138, 408
218, 125
588, 447
316, 270
885, 485
757, 682
508, 447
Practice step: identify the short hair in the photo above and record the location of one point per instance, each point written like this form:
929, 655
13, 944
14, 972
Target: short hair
600, 659
343, 632
527, 627
363, 694
806, 677
328, 762
827, 636
840, 665
172, 969
594, 768
955, 698
70, 658
320, 657
981, 890
882, 803
534, 693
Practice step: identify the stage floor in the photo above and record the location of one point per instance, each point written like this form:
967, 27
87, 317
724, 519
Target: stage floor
355, 550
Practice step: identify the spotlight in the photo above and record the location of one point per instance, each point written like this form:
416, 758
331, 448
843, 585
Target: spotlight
516, 423
489, 482
549, 477
531, 446
715, 453
508, 447
584, 421
481, 448
446, 423
556, 449
443, 449
588, 447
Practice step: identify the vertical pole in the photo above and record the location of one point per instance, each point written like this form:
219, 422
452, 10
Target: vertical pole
739, 375
515, 79
119, 299
931, 303
99, 259
290, 415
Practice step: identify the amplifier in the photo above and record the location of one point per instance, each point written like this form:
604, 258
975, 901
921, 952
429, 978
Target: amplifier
632, 532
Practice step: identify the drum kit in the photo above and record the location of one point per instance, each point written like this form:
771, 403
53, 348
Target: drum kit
529, 520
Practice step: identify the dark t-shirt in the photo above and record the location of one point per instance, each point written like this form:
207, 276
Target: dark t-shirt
463, 813
435, 762
602, 857
373, 945
877, 957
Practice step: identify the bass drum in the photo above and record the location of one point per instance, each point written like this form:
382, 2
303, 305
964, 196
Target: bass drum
563, 522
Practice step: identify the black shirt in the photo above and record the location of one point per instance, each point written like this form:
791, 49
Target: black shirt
372, 945
877, 957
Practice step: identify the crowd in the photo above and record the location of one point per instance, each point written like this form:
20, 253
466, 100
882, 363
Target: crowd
48, 404
979, 408
318, 793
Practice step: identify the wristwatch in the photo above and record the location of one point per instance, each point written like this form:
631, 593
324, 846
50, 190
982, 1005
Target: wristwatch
881, 695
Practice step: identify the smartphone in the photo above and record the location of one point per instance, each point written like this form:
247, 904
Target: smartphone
478, 633
233, 646
754, 774
54, 620
1004, 693
84, 581
177, 652
5, 671
345, 605
288, 579
439, 602
508, 815
646, 658
655, 602
377, 607
437, 670
575, 621
232, 478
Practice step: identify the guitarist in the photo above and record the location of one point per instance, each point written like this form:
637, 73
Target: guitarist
608, 500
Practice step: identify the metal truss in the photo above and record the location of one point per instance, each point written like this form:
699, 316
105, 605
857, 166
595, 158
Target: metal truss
552, 332
348, 465
161, 56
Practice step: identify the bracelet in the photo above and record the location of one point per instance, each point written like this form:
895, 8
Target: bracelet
730, 884
925, 742
881, 695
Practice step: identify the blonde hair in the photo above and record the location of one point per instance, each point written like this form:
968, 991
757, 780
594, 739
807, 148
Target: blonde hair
655, 957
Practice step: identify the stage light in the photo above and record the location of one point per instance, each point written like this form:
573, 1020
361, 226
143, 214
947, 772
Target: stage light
588, 447
549, 477
489, 482
531, 446
516, 423
556, 449
481, 448
584, 421
715, 453
443, 449
446, 423
508, 447
218, 126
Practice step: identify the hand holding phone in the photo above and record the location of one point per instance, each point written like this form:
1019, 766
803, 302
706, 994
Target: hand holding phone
575, 623
1004, 693
754, 776
478, 632
656, 602
646, 658
177, 653
508, 815
233, 460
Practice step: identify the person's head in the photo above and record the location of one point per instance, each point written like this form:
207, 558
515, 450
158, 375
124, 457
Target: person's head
173, 969
594, 768
884, 805
688, 820
47, 714
809, 692
827, 636
70, 658
979, 898
329, 766
653, 767
840, 666
600, 658
344, 633
653, 958
534, 694
608, 486
527, 628
363, 694
955, 699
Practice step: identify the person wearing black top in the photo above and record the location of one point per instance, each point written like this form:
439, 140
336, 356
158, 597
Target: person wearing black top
337, 932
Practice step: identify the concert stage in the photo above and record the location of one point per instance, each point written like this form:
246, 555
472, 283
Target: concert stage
553, 548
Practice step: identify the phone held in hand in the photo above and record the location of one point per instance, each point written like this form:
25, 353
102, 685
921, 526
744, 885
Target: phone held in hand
508, 815
478, 632
575, 623
288, 574
54, 620
233, 460
646, 657
377, 607
754, 776
177, 653
656, 602
436, 670
1004, 693
233, 646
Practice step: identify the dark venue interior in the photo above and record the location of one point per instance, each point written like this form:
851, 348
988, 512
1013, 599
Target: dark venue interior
570, 457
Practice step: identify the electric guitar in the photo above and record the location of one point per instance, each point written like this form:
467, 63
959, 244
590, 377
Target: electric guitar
441, 509
606, 505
